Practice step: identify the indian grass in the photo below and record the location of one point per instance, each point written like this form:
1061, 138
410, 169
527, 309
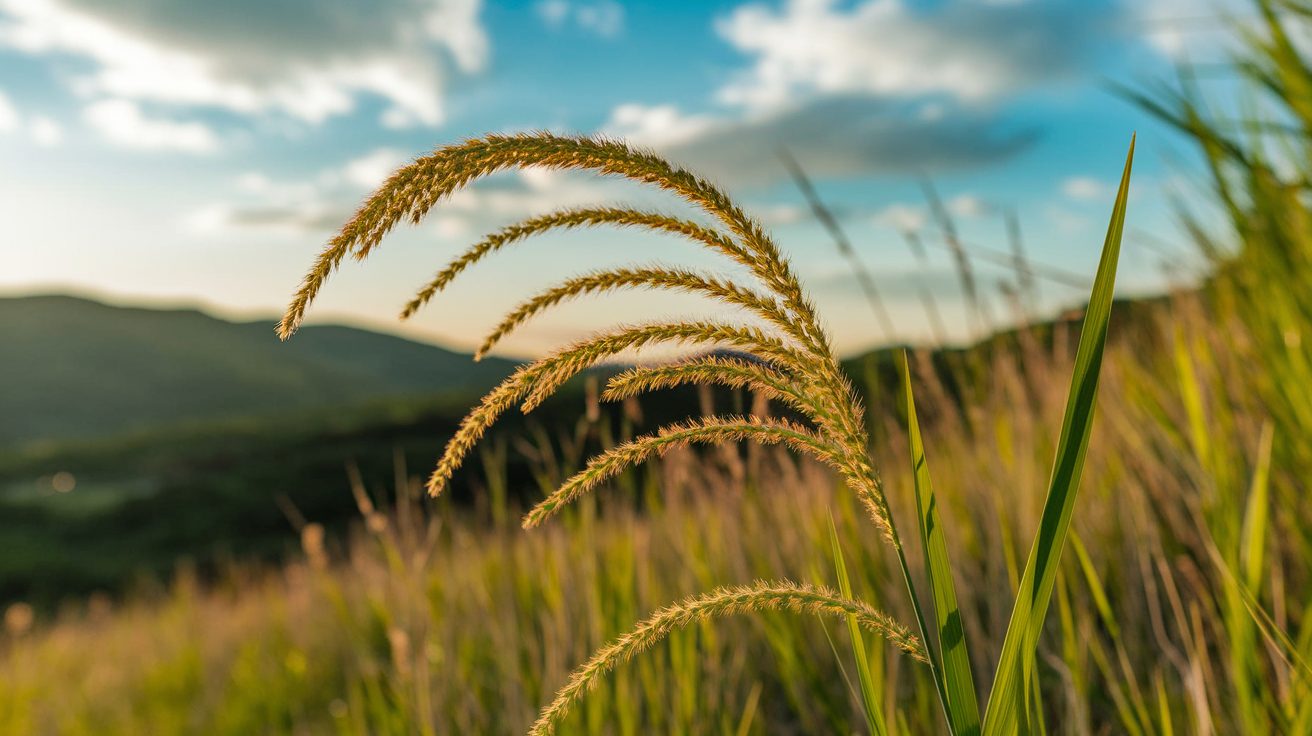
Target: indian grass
795, 348
657, 277
576, 218
802, 349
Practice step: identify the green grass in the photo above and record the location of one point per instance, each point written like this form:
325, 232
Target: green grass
1008, 708
951, 655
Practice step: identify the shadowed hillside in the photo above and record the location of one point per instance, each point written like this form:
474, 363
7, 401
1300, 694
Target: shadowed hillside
76, 368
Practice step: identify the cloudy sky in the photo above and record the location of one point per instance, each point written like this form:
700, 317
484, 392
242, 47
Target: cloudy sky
168, 152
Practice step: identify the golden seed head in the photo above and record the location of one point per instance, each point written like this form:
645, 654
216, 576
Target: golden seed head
788, 358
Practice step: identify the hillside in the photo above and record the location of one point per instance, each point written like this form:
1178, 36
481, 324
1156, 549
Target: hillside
152, 411
75, 368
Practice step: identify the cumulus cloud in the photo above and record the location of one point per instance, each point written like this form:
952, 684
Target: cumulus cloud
518, 195
318, 204
1187, 30
912, 218
322, 203
964, 49
836, 136
306, 59
604, 18
122, 123
370, 170
658, 125
291, 218
875, 87
777, 214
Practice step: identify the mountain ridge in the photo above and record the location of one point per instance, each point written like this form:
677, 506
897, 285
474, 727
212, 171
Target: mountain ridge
73, 367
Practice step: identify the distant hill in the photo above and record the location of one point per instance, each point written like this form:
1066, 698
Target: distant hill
72, 368
189, 436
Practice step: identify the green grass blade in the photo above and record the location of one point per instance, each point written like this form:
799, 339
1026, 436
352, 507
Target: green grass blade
869, 696
954, 657
1252, 555
1253, 534
1096, 589
1022, 639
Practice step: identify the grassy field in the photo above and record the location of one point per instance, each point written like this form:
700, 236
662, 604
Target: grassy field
1180, 605
442, 621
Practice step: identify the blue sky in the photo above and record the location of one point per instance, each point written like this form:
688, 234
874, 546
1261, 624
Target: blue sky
201, 153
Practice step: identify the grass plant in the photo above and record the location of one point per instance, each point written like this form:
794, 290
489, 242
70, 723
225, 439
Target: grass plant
791, 360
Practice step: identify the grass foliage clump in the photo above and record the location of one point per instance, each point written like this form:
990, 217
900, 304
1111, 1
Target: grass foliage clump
791, 360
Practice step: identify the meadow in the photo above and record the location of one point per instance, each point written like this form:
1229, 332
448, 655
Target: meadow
1178, 606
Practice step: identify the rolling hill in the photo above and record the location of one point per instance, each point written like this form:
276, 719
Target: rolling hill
73, 368
189, 435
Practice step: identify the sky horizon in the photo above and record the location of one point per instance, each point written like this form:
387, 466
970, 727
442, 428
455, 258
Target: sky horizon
163, 152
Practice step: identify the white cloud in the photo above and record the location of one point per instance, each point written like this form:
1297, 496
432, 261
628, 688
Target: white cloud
44, 131
779, 214
1083, 188
902, 217
526, 193
323, 201
373, 168
9, 118
867, 87
968, 205
967, 50
309, 59
317, 204
913, 218
40, 129
254, 182
1189, 30
834, 136
657, 125
604, 18
553, 12
122, 123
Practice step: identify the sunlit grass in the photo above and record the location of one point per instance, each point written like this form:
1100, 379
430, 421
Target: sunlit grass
1181, 609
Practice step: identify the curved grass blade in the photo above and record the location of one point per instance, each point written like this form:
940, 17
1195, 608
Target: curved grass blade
957, 685
1015, 666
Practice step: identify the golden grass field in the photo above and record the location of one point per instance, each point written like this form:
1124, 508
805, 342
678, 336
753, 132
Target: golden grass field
1179, 604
